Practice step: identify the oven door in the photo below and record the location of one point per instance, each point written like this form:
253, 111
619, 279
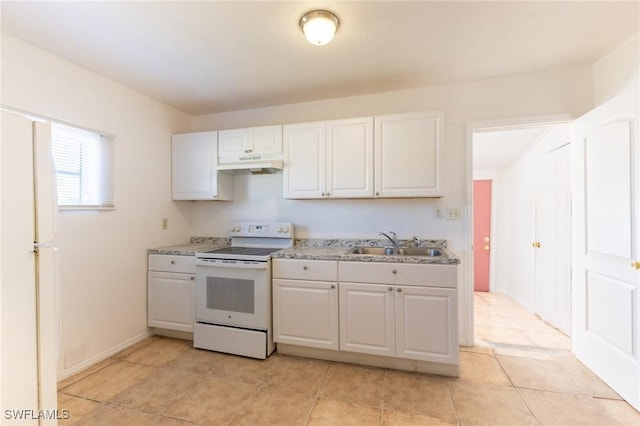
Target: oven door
233, 293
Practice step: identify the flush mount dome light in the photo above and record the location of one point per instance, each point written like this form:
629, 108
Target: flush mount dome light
319, 26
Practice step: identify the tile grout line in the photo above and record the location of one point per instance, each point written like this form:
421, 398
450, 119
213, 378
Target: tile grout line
317, 394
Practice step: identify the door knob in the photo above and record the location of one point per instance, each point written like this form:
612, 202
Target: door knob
486, 247
536, 244
635, 265
486, 239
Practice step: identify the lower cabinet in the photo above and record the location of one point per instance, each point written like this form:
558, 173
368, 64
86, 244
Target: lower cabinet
399, 321
171, 292
305, 303
394, 310
401, 310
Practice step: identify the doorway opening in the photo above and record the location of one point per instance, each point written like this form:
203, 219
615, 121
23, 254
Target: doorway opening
511, 211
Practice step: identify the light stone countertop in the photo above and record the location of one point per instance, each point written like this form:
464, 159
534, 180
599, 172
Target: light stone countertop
195, 245
339, 250
318, 249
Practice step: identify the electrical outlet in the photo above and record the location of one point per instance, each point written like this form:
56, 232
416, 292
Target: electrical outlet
437, 213
165, 223
453, 213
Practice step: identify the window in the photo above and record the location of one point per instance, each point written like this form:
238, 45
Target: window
84, 168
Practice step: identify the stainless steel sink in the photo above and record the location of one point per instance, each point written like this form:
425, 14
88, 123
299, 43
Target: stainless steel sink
397, 251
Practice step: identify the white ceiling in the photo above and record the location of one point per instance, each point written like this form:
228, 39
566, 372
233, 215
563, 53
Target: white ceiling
213, 56
495, 150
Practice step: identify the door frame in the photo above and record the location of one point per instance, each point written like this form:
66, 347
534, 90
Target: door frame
466, 304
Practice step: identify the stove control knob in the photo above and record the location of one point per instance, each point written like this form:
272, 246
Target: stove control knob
285, 229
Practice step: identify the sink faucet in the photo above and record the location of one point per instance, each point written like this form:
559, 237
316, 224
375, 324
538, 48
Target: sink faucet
394, 239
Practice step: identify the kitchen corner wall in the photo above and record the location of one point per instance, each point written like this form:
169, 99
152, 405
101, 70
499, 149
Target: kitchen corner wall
103, 297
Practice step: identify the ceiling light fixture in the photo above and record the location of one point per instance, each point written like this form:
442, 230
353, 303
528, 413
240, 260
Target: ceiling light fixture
319, 26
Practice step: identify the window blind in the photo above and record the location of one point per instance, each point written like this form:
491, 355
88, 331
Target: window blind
84, 168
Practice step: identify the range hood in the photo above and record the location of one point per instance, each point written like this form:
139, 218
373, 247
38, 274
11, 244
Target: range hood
255, 168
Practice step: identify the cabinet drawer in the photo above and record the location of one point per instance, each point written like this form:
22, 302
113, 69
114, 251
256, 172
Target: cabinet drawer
171, 263
399, 273
312, 270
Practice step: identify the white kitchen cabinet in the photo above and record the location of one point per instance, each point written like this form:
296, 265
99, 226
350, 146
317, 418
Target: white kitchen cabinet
305, 303
367, 319
329, 159
409, 155
171, 292
399, 310
238, 144
194, 163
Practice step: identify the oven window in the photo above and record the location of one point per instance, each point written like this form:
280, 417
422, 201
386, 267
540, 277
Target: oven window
230, 294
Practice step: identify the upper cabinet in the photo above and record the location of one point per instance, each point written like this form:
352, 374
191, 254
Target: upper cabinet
409, 155
194, 174
238, 144
329, 159
401, 155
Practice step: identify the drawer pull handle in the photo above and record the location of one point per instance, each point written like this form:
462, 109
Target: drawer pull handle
395, 271
192, 278
390, 288
333, 286
173, 262
305, 267
399, 290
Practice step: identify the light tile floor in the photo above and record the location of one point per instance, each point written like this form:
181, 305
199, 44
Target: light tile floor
520, 372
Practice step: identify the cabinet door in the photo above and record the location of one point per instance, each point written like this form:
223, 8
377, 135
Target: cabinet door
409, 155
194, 176
265, 140
233, 143
305, 313
304, 173
350, 158
367, 319
426, 324
236, 143
171, 300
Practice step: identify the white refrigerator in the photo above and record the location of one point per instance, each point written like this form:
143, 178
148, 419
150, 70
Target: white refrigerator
28, 273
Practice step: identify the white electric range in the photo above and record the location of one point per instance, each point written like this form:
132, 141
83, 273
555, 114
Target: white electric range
233, 290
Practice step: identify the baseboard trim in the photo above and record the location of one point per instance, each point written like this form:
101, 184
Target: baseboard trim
66, 373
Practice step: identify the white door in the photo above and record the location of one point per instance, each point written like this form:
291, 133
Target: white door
553, 238
606, 236
29, 321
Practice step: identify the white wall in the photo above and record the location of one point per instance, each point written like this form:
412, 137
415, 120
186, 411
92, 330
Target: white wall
617, 70
103, 265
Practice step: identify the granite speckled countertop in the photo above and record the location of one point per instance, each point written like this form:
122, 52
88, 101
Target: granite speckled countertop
322, 249
339, 250
195, 245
